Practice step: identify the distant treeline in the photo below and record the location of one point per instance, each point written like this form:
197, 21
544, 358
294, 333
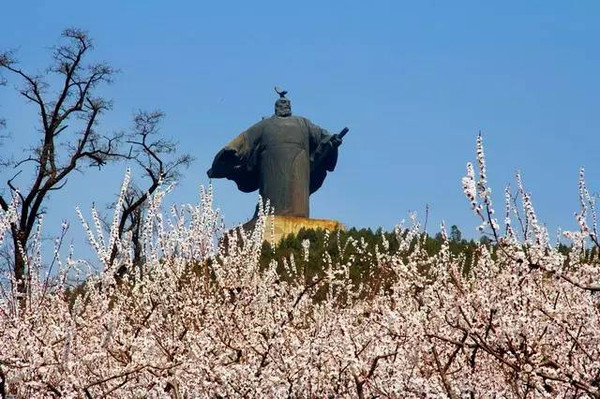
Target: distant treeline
366, 258
362, 250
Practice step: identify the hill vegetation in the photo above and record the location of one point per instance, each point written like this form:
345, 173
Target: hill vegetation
359, 249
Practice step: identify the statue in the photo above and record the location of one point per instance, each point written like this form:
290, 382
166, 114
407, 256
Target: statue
285, 157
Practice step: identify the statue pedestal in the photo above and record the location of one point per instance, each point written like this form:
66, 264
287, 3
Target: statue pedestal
285, 225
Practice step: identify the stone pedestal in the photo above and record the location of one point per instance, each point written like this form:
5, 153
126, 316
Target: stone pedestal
285, 225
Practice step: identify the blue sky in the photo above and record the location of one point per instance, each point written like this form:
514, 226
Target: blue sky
414, 81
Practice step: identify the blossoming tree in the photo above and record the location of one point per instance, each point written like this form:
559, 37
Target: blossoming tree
201, 318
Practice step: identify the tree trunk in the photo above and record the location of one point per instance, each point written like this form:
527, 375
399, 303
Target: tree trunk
21, 274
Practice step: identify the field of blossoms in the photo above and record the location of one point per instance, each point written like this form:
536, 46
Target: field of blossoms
201, 317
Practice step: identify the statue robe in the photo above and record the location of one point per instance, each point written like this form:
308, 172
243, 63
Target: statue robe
285, 158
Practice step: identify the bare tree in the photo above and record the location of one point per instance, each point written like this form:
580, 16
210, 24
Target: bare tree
159, 160
68, 114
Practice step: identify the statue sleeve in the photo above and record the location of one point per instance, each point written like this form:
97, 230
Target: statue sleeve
237, 161
323, 155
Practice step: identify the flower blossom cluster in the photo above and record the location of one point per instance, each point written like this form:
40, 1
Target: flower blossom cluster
201, 318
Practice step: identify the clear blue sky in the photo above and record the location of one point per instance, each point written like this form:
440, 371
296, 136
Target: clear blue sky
414, 81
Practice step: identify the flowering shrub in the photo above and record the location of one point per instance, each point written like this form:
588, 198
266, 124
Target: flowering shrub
201, 318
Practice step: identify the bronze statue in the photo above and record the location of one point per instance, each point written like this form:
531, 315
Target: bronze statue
285, 157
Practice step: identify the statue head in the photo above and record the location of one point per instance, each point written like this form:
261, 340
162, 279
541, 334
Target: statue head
283, 106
